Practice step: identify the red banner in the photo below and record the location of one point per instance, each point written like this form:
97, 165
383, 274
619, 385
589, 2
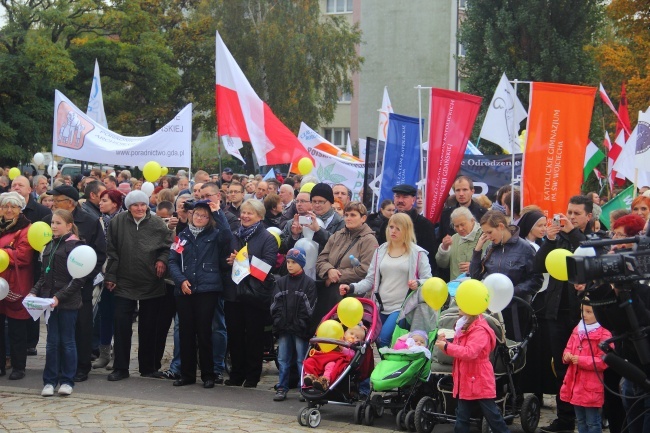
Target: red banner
451, 121
558, 134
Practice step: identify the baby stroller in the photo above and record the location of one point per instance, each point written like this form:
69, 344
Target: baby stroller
344, 390
508, 358
402, 375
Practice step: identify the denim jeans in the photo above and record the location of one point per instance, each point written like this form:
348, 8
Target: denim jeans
638, 422
175, 365
61, 348
291, 349
387, 327
219, 337
490, 412
588, 419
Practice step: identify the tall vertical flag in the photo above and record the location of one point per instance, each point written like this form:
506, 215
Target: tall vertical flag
386, 109
622, 124
243, 116
362, 149
608, 102
642, 158
348, 146
382, 132
95, 108
501, 124
593, 157
451, 119
629, 161
558, 133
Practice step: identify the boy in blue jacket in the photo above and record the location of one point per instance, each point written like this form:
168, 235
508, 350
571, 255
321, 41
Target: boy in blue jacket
293, 303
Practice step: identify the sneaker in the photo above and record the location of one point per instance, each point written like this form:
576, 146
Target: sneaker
168, 374
558, 426
48, 391
308, 380
280, 395
218, 379
65, 389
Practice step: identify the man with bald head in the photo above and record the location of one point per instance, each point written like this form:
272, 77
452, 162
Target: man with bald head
288, 204
261, 191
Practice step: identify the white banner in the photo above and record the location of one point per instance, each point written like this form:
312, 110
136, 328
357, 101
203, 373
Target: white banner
501, 124
77, 136
95, 108
328, 168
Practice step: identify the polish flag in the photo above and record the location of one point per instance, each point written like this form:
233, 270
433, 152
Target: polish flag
259, 268
622, 126
608, 102
243, 116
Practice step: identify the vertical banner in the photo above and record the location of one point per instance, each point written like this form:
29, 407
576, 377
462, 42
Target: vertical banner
558, 134
370, 170
452, 116
402, 155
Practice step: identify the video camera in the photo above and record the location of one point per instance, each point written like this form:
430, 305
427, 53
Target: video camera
625, 266
188, 205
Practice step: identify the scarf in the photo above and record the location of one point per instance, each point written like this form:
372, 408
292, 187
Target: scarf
245, 233
195, 230
469, 237
584, 330
106, 219
460, 323
326, 217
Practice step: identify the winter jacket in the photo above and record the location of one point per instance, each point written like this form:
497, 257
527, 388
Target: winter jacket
472, 371
419, 269
271, 220
133, 250
20, 272
461, 250
336, 251
582, 386
202, 260
376, 221
57, 281
424, 235
91, 209
513, 259
294, 298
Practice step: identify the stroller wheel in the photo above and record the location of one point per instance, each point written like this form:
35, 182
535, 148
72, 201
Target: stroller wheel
399, 420
302, 416
529, 414
313, 418
377, 402
424, 418
368, 415
409, 421
358, 413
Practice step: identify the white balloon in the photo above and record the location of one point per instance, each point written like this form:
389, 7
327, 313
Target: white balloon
275, 230
500, 289
308, 233
311, 251
52, 169
39, 158
4, 288
586, 252
81, 261
147, 188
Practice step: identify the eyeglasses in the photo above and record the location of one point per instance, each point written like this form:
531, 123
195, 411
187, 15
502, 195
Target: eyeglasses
318, 202
302, 201
614, 235
201, 216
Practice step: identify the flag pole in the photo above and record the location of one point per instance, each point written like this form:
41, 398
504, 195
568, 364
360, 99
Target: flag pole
512, 165
602, 119
376, 161
420, 130
636, 180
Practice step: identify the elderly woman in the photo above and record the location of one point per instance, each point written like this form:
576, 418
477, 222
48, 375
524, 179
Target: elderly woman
248, 312
197, 270
19, 275
334, 264
455, 252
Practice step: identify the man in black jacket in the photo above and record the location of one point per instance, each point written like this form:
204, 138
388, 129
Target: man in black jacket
90, 231
404, 199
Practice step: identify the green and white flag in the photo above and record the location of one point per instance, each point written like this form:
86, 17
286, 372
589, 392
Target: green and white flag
623, 200
593, 156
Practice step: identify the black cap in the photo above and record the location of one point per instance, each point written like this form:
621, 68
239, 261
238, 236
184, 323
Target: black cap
322, 190
405, 189
66, 190
227, 170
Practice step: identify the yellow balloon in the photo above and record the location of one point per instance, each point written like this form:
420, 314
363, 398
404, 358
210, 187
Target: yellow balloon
350, 312
307, 187
305, 166
556, 264
38, 235
434, 292
4, 260
152, 171
329, 329
164, 171
472, 297
14, 173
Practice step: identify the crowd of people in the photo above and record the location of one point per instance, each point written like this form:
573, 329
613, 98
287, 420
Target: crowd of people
168, 259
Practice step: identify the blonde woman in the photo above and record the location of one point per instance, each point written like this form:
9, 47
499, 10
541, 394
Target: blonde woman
398, 265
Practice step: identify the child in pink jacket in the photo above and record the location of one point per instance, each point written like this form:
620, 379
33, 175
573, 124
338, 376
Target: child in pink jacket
473, 374
583, 386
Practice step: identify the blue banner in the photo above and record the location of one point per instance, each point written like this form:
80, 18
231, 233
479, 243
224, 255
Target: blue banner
402, 154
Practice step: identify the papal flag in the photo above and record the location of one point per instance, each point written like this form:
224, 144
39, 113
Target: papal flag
241, 267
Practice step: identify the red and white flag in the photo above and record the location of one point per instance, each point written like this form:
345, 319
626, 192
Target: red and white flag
608, 102
622, 125
259, 268
243, 116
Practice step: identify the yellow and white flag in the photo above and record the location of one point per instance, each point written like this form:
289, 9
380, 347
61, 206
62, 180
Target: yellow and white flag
241, 267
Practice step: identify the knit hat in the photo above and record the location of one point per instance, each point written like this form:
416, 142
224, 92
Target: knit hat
124, 188
13, 198
134, 197
421, 334
323, 190
528, 221
298, 255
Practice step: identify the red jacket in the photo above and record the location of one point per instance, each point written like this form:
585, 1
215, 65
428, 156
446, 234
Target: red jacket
19, 274
472, 370
582, 386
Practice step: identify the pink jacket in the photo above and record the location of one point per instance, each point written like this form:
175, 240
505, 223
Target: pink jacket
582, 386
472, 370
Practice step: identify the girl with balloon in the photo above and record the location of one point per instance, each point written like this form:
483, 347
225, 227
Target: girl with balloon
57, 283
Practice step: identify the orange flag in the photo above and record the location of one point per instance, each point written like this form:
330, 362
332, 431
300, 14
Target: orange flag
558, 131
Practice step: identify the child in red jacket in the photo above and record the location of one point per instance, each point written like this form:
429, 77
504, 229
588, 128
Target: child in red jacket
583, 386
472, 372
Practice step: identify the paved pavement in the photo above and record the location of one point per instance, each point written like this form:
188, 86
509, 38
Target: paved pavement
154, 405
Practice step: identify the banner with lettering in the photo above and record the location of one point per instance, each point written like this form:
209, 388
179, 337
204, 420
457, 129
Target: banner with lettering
402, 154
371, 170
490, 172
558, 133
623, 200
77, 136
451, 121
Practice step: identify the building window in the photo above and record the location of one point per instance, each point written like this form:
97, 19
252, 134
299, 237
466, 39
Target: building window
339, 6
461, 50
462, 4
345, 98
337, 136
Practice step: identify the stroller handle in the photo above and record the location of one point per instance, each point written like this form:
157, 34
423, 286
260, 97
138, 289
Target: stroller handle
342, 343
